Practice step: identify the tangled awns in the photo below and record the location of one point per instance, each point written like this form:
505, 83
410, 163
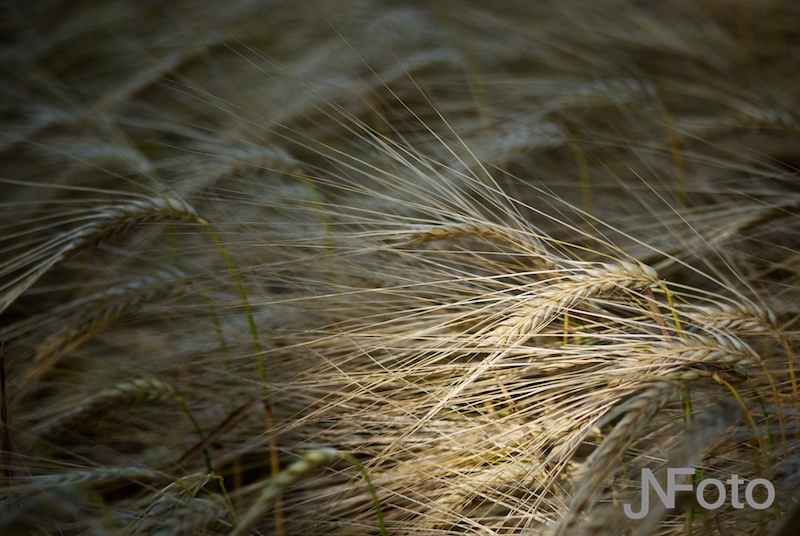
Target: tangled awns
403, 268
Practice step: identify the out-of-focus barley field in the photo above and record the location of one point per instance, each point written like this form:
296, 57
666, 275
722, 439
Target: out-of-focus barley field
405, 268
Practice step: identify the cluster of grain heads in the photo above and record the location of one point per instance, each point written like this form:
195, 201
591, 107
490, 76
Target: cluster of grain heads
82, 319
557, 349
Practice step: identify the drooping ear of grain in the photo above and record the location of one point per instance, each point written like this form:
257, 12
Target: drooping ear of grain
92, 410
22, 271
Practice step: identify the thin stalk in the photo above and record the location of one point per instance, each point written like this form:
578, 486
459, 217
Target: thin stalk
275, 466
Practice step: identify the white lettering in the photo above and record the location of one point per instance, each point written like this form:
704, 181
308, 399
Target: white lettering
668, 497
701, 500
734, 482
748, 493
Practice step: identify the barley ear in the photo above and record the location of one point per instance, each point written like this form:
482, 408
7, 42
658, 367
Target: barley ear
279, 484
638, 413
102, 225
120, 396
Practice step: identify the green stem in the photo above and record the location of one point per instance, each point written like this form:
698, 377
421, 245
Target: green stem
275, 467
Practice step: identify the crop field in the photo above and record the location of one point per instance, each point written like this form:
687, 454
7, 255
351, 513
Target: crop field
375, 267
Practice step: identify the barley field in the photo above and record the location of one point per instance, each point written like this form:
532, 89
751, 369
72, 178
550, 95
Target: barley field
399, 268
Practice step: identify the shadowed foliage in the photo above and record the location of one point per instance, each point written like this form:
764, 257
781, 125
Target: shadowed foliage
380, 267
